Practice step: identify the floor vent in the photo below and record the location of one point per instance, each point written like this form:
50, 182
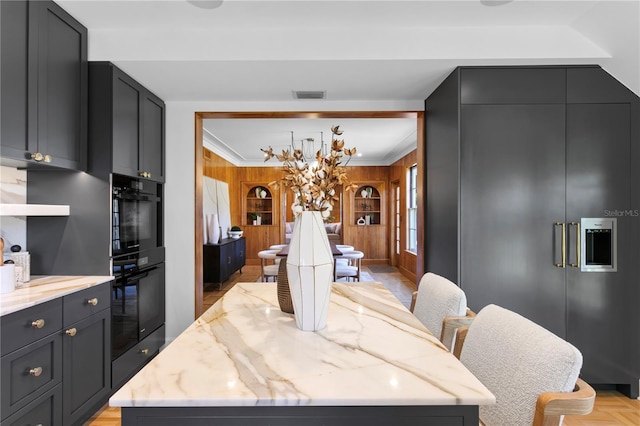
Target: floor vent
309, 94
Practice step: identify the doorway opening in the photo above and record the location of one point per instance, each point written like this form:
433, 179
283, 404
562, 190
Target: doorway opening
200, 116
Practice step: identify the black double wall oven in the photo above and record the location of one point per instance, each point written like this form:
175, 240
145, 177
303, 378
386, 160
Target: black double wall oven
138, 290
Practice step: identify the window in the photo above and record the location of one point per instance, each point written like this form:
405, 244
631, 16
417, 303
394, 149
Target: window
412, 209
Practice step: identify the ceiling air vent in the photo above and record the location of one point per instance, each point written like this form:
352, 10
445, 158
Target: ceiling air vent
309, 94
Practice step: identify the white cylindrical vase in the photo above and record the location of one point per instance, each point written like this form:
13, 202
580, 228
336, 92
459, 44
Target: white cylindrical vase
7, 278
310, 271
215, 229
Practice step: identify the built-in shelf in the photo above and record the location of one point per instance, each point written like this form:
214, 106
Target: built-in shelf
33, 210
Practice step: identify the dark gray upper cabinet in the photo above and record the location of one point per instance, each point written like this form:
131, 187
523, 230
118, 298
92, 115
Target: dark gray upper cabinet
515, 157
44, 86
505, 85
126, 125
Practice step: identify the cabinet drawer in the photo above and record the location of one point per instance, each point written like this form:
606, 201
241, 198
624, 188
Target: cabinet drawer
21, 328
45, 410
29, 372
135, 358
80, 305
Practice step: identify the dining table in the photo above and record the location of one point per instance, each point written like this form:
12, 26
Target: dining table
244, 362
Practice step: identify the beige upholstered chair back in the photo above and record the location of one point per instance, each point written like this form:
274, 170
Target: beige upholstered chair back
517, 360
438, 298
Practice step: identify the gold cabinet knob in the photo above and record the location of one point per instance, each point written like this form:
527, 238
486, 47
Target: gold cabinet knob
144, 351
71, 332
35, 372
47, 158
39, 323
92, 302
37, 156
145, 174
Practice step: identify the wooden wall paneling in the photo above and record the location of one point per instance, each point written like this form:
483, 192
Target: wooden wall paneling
407, 262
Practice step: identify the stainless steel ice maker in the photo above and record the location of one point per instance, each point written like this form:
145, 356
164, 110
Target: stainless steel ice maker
599, 245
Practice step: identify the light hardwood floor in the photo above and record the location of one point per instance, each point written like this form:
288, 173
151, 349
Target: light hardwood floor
611, 408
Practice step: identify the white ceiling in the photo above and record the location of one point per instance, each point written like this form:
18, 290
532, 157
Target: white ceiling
359, 52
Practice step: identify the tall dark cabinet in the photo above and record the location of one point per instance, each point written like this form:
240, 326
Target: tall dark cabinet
44, 85
521, 154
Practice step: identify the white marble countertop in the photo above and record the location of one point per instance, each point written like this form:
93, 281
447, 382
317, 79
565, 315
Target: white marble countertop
244, 351
43, 288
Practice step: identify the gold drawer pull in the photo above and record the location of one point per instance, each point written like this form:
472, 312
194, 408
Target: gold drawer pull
39, 157
93, 302
39, 323
144, 351
35, 372
71, 332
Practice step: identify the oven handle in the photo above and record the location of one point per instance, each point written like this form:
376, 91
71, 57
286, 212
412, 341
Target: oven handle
141, 274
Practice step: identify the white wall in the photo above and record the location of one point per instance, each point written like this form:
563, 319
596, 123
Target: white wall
180, 194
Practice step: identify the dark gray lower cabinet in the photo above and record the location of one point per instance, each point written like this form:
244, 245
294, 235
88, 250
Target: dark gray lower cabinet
129, 363
44, 410
59, 372
86, 366
515, 156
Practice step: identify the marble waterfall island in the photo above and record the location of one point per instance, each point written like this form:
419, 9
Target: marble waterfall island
246, 359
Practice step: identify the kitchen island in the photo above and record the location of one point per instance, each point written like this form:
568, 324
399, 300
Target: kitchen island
245, 362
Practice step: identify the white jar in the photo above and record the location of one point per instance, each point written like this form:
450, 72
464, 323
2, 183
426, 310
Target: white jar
23, 260
7, 278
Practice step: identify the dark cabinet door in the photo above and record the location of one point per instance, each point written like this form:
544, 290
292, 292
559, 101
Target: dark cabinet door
86, 366
126, 124
130, 130
599, 185
151, 301
239, 249
152, 146
14, 18
59, 43
44, 84
226, 261
512, 192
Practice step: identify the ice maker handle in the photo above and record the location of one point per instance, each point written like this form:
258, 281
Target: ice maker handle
578, 248
563, 244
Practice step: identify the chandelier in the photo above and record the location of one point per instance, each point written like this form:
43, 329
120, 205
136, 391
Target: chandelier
308, 147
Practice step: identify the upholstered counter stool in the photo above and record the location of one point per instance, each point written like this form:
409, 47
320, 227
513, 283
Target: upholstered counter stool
350, 270
269, 263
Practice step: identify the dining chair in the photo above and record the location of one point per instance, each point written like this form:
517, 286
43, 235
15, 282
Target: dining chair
344, 248
350, 269
532, 372
269, 264
436, 299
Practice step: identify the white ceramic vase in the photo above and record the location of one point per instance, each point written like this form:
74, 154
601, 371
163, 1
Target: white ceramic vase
310, 271
214, 229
